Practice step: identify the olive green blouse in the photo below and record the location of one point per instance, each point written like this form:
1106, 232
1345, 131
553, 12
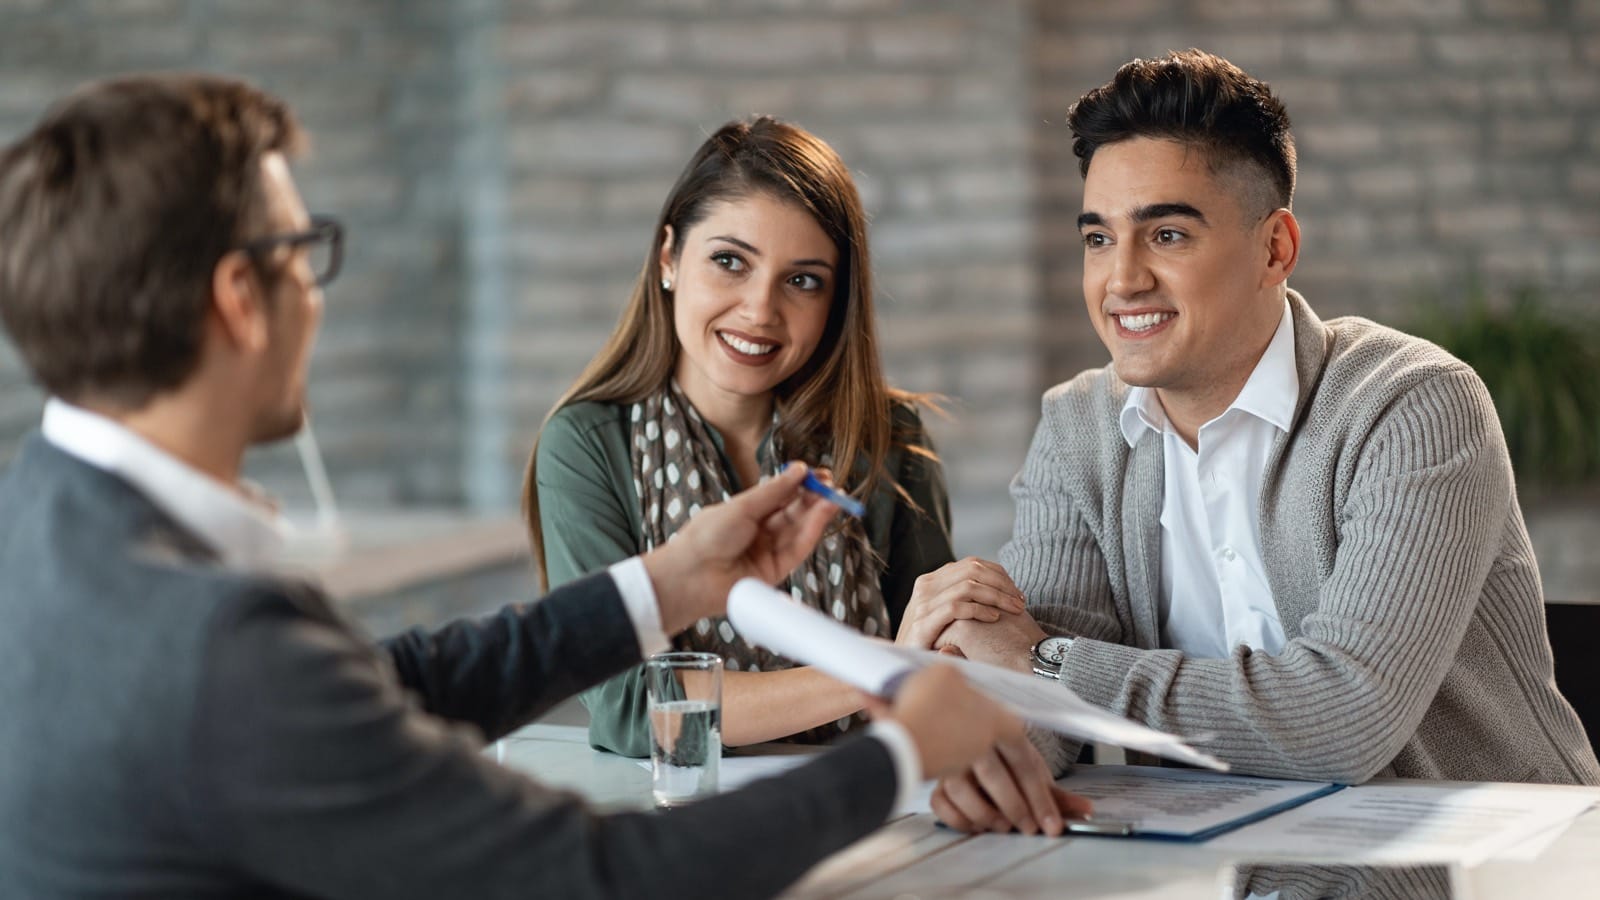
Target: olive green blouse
591, 519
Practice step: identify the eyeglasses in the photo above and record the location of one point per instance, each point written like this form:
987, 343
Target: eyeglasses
324, 243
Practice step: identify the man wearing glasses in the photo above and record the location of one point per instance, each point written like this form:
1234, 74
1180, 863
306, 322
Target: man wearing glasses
178, 721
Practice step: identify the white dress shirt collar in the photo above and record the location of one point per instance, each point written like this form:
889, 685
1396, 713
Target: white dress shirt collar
1274, 385
244, 533
1270, 393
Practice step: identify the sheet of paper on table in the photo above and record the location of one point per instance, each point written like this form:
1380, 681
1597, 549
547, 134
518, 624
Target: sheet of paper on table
737, 771
1414, 822
734, 772
771, 619
1534, 847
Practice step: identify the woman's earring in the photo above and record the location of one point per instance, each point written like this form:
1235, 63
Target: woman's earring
666, 284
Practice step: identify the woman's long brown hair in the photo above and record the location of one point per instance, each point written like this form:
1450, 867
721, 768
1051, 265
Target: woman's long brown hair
838, 403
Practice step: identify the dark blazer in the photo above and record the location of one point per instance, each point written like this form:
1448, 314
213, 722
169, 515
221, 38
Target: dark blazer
170, 728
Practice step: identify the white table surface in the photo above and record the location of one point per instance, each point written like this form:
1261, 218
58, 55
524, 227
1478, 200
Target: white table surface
911, 857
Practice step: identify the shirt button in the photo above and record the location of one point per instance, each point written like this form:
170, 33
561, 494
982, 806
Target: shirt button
1228, 555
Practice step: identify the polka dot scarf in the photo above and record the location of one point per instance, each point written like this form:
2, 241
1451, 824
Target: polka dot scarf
676, 471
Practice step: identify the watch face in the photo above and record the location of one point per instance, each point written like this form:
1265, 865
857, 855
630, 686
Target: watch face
1053, 650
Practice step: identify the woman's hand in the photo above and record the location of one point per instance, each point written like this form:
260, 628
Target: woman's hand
971, 588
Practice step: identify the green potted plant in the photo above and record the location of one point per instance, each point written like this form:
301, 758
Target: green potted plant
1541, 366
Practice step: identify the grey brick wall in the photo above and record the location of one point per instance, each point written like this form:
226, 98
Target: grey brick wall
926, 102
375, 82
1439, 139
500, 163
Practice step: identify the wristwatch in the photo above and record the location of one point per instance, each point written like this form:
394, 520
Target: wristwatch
1049, 654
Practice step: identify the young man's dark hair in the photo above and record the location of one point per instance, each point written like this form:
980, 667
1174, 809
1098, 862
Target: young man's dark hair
113, 214
1194, 97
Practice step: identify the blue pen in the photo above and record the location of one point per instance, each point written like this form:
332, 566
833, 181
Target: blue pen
838, 498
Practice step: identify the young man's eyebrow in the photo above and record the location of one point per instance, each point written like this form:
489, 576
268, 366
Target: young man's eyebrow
750, 248
1148, 213
1166, 210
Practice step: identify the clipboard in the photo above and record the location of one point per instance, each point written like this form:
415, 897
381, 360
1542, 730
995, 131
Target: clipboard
1182, 805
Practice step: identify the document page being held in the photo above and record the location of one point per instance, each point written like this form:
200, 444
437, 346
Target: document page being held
769, 618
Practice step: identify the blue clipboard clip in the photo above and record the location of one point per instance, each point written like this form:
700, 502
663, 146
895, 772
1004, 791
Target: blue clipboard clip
1091, 825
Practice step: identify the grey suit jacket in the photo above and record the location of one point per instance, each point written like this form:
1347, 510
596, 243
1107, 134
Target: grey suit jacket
169, 729
1399, 563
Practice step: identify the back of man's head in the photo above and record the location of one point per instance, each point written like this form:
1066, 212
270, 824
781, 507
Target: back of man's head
1199, 99
114, 212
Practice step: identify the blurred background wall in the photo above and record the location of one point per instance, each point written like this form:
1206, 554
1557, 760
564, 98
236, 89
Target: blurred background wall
500, 164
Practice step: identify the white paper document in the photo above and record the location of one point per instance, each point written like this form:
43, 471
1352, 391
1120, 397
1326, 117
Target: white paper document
734, 772
771, 619
1414, 822
1186, 804
1534, 847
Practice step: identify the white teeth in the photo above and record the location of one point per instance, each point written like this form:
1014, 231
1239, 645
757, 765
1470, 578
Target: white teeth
746, 347
1144, 322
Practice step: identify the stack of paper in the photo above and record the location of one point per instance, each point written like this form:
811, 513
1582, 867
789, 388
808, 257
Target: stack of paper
1416, 821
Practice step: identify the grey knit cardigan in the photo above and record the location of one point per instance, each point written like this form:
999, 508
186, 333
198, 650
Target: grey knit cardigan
1398, 559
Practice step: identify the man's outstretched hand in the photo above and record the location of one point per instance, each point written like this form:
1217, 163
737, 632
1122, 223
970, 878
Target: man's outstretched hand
763, 532
1008, 788
991, 776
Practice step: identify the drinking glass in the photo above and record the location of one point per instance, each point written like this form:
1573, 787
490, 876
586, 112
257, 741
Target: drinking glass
684, 692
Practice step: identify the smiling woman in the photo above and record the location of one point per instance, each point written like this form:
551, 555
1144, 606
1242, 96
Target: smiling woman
749, 340
753, 288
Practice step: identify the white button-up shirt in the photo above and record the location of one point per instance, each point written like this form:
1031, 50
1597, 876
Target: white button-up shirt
245, 534
1214, 589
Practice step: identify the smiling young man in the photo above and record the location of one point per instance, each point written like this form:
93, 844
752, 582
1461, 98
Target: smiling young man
1296, 541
